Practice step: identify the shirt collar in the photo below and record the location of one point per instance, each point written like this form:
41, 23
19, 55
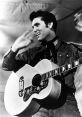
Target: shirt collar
49, 43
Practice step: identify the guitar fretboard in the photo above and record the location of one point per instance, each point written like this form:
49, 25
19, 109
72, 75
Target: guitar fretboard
60, 70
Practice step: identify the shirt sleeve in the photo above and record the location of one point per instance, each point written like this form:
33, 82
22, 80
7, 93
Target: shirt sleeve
10, 63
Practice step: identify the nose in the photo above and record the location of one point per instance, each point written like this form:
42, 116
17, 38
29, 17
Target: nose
35, 29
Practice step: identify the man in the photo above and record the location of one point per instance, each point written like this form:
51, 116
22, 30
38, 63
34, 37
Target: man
47, 46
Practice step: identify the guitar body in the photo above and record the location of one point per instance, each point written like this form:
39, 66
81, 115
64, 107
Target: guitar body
14, 103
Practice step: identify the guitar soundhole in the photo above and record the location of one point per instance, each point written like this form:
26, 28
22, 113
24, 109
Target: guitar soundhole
36, 80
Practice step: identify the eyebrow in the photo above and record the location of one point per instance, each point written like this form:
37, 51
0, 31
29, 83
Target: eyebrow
36, 24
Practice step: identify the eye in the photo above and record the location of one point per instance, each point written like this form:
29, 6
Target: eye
37, 24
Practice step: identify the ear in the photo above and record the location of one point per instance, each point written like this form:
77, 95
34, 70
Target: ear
50, 25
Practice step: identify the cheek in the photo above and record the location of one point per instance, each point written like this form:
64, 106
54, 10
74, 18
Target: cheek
44, 34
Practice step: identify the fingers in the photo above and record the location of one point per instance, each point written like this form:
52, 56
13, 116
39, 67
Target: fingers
26, 33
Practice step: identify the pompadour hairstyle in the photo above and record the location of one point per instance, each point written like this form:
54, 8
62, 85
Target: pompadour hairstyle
46, 16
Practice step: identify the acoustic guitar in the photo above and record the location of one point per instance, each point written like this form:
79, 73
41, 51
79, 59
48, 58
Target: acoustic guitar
29, 85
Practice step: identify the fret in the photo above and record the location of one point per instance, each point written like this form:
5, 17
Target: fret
56, 72
63, 68
66, 67
69, 66
46, 75
60, 70
43, 76
73, 65
53, 73
76, 63
50, 74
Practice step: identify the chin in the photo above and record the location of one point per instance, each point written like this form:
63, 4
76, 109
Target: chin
39, 39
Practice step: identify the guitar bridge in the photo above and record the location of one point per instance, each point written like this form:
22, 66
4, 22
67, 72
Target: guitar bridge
21, 86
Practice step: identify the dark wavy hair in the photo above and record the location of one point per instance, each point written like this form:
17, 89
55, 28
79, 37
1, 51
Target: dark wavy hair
46, 16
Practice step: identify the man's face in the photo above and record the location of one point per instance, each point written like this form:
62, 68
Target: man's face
40, 29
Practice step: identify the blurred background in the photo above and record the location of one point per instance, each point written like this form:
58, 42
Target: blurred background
14, 20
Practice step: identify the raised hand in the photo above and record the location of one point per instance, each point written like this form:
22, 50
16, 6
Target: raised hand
23, 41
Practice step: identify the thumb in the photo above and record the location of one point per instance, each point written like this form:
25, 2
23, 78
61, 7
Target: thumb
26, 33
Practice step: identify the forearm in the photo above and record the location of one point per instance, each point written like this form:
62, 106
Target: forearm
9, 60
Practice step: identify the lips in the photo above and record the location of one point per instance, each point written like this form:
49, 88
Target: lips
37, 34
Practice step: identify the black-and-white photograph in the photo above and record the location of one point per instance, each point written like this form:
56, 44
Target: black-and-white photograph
40, 58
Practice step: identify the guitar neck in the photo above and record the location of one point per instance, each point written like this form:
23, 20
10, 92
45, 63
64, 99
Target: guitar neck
60, 70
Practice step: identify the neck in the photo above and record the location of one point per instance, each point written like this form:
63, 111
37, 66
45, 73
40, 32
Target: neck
51, 36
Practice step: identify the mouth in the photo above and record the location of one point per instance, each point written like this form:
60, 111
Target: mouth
38, 34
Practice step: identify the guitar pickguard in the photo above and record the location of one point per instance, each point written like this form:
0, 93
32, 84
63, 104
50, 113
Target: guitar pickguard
34, 89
